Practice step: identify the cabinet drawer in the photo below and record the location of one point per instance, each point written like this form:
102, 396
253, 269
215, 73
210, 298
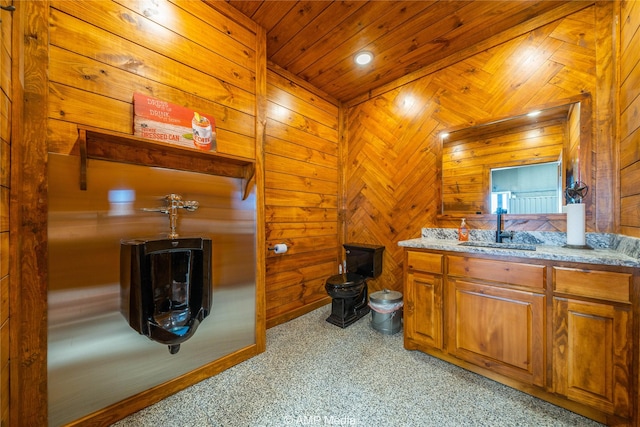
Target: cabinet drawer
606, 285
512, 273
423, 261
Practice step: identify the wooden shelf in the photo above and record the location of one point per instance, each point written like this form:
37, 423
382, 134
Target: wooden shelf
119, 147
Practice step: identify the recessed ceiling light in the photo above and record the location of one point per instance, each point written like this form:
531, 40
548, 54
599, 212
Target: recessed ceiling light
363, 58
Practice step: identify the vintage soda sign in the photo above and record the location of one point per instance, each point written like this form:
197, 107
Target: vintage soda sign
174, 124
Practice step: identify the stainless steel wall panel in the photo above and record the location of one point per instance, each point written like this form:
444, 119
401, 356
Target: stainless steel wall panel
94, 358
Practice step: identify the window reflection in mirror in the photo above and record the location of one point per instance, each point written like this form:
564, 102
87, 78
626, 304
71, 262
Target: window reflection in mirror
527, 189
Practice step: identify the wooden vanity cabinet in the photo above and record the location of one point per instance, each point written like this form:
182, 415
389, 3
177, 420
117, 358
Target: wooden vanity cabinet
561, 331
494, 312
592, 344
423, 299
496, 316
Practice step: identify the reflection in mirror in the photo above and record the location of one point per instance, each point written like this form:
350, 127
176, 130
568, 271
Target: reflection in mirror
558, 136
527, 189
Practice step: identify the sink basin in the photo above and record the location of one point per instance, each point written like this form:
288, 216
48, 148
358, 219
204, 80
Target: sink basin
520, 246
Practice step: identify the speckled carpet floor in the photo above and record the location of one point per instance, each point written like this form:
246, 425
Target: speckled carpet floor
316, 374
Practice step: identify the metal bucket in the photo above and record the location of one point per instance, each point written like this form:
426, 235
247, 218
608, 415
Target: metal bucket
386, 311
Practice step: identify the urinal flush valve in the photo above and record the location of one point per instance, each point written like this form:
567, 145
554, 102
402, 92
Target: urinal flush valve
173, 202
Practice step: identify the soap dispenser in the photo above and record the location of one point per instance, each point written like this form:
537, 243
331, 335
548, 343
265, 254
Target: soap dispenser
463, 232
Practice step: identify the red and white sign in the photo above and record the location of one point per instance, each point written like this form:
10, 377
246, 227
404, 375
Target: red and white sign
163, 121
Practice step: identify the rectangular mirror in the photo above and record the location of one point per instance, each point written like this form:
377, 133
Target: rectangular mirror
489, 164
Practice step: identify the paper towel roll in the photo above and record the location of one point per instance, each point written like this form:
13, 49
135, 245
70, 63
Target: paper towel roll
280, 248
575, 224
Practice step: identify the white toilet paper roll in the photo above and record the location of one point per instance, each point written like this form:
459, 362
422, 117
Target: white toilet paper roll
280, 248
575, 224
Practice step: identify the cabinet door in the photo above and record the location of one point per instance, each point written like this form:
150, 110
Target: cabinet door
591, 354
423, 309
499, 329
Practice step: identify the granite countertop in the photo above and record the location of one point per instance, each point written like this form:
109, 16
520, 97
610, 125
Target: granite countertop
608, 249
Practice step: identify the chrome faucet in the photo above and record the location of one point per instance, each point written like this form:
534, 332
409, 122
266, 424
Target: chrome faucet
173, 203
500, 234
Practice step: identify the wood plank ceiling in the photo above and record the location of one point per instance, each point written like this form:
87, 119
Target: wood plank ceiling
317, 40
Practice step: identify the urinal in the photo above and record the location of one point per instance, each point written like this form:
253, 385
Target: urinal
165, 287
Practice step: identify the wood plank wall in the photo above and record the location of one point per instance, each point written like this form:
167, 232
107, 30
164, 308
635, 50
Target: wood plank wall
83, 62
5, 187
302, 195
571, 154
393, 143
630, 119
162, 56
